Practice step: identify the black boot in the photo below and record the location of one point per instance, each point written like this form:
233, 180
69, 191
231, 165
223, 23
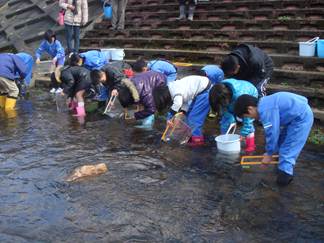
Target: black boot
283, 179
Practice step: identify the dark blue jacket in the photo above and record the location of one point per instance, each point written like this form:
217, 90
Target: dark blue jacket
10, 65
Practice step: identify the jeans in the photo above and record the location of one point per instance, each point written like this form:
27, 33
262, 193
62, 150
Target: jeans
72, 31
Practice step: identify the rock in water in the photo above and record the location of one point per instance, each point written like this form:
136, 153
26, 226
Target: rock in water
87, 170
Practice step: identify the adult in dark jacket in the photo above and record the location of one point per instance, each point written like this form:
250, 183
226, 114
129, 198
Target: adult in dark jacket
249, 63
11, 65
145, 83
75, 82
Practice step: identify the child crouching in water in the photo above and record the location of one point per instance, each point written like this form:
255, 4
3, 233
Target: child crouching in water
222, 98
287, 120
144, 83
188, 96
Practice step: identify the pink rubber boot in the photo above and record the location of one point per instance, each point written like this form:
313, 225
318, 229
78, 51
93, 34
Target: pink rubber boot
80, 111
196, 141
249, 143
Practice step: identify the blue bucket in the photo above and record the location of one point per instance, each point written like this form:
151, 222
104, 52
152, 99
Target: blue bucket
320, 48
107, 10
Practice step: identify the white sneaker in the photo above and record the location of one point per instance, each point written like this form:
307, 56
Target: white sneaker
52, 91
59, 90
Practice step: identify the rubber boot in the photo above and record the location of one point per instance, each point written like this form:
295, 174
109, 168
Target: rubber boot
182, 9
283, 179
249, 143
196, 141
2, 101
80, 111
72, 105
10, 104
191, 13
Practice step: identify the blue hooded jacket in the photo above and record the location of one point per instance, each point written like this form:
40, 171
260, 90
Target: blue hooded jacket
55, 50
165, 67
11, 65
214, 73
95, 59
29, 62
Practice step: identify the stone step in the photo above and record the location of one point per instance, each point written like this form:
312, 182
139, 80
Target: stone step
283, 47
230, 5
225, 25
281, 61
208, 34
287, 4
220, 14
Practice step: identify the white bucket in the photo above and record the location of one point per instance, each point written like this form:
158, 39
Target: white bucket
307, 49
229, 143
117, 54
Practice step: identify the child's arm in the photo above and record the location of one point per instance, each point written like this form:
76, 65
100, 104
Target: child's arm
40, 50
59, 50
20, 66
271, 124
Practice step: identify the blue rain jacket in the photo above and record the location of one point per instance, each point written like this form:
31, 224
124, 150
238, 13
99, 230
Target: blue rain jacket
11, 65
214, 73
29, 62
165, 67
238, 87
287, 120
55, 50
95, 59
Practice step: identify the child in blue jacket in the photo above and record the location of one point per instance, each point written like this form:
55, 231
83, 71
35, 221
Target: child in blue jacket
53, 47
287, 120
222, 97
158, 65
213, 72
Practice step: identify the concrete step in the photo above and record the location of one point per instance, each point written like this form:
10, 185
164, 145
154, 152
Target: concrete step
220, 14
283, 47
207, 34
237, 3
225, 25
281, 61
230, 5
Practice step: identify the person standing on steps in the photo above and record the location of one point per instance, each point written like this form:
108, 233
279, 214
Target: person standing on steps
182, 9
118, 15
76, 15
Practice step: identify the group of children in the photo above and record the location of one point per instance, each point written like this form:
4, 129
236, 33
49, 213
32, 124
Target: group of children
241, 96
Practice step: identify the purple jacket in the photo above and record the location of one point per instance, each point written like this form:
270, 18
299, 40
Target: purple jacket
145, 83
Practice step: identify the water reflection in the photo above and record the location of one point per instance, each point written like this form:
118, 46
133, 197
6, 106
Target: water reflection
152, 191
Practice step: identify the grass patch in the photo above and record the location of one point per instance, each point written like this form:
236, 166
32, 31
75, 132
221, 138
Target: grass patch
316, 137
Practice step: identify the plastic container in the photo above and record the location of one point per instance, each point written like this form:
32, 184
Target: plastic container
307, 49
107, 10
229, 142
117, 54
61, 103
180, 132
320, 48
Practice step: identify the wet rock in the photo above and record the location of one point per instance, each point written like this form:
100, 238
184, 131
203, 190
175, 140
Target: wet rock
87, 170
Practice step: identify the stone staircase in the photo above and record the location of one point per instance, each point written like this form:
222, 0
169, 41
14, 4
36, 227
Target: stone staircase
275, 26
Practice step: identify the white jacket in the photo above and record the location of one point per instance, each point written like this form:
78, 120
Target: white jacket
81, 18
184, 90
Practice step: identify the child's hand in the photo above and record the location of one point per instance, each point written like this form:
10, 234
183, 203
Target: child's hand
267, 159
170, 123
71, 7
114, 92
54, 61
37, 61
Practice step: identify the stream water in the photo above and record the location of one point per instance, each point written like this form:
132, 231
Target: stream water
152, 192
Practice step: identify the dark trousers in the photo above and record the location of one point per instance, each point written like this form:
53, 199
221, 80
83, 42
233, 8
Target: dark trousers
72, 32
191, 2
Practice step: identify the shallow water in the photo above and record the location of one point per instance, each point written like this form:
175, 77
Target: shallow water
152, 192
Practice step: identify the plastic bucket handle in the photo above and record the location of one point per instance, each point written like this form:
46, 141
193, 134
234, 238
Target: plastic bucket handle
230, 127
312, 40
